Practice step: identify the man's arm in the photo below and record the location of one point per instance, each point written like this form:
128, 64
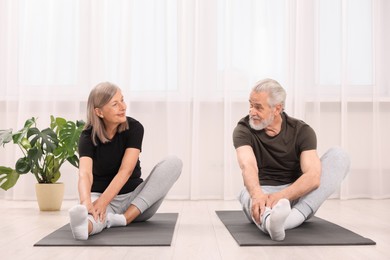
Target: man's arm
308, 181
247, 161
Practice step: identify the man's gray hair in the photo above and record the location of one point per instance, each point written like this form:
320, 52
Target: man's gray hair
277, 94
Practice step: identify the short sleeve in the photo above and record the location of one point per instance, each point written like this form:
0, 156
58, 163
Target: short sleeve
241, 136
135, 135
307, 139
86, 147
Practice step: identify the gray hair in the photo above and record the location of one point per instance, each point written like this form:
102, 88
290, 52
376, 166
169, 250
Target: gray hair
277, 94
99, 96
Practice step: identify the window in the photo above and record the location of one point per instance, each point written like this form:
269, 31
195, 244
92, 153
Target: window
48, 42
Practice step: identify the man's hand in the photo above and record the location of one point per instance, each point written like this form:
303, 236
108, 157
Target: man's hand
258, 207
273, 198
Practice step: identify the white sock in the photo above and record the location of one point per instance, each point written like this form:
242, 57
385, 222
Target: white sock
294, 219
264, 217
275, 221
79, 222
98, 226
116, 220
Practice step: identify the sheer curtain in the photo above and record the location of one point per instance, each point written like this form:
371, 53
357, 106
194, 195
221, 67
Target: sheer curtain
186, 69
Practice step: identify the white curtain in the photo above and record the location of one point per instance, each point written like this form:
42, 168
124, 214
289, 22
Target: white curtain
186, 68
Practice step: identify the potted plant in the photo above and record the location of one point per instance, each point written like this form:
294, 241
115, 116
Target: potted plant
44, 152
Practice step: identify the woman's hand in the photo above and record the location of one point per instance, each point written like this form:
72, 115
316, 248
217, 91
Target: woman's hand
99, 210
91, 209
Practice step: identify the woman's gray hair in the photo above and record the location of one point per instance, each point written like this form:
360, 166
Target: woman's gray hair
99, 96
277, 94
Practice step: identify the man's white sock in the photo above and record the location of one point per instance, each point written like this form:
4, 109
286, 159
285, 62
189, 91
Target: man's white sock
275, 221
79, 222
294, 219
116, 220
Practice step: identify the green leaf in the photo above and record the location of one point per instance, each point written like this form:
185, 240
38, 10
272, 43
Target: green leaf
8, 177
29, 122
25, 143
60, 152
74, 160
5, 170
80, 124
52, 163
55, 177
5, 136
34, 155
60, 121
47, 138
44, 151
57, 123
22, 165
70, 136
19, 135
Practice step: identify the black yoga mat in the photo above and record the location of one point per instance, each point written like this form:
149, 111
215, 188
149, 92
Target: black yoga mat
157, 231
314, 232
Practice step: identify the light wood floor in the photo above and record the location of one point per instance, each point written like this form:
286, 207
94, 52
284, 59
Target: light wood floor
199, 234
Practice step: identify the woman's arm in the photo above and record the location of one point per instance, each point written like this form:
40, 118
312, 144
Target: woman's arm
128, 164
85, 184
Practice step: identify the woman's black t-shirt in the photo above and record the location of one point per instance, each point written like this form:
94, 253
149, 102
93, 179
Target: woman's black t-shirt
107, 157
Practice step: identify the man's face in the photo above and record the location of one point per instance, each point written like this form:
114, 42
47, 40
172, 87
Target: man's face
261, 115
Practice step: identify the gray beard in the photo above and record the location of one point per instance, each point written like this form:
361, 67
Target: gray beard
262, 125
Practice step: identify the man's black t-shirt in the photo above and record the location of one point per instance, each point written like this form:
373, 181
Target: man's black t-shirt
107, 157
278, 157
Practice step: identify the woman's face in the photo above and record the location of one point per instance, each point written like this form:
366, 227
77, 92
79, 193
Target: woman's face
114, 112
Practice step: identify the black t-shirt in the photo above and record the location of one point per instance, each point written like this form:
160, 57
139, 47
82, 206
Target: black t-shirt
107, 157
278, 157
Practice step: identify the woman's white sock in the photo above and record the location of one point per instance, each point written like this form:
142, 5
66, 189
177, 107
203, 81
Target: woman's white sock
116, 220
79, 222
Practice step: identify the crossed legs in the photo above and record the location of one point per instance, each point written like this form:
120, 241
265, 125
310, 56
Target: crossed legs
139, 205
335, 166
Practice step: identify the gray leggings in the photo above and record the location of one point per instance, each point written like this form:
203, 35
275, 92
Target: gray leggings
335, 166
148, 196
